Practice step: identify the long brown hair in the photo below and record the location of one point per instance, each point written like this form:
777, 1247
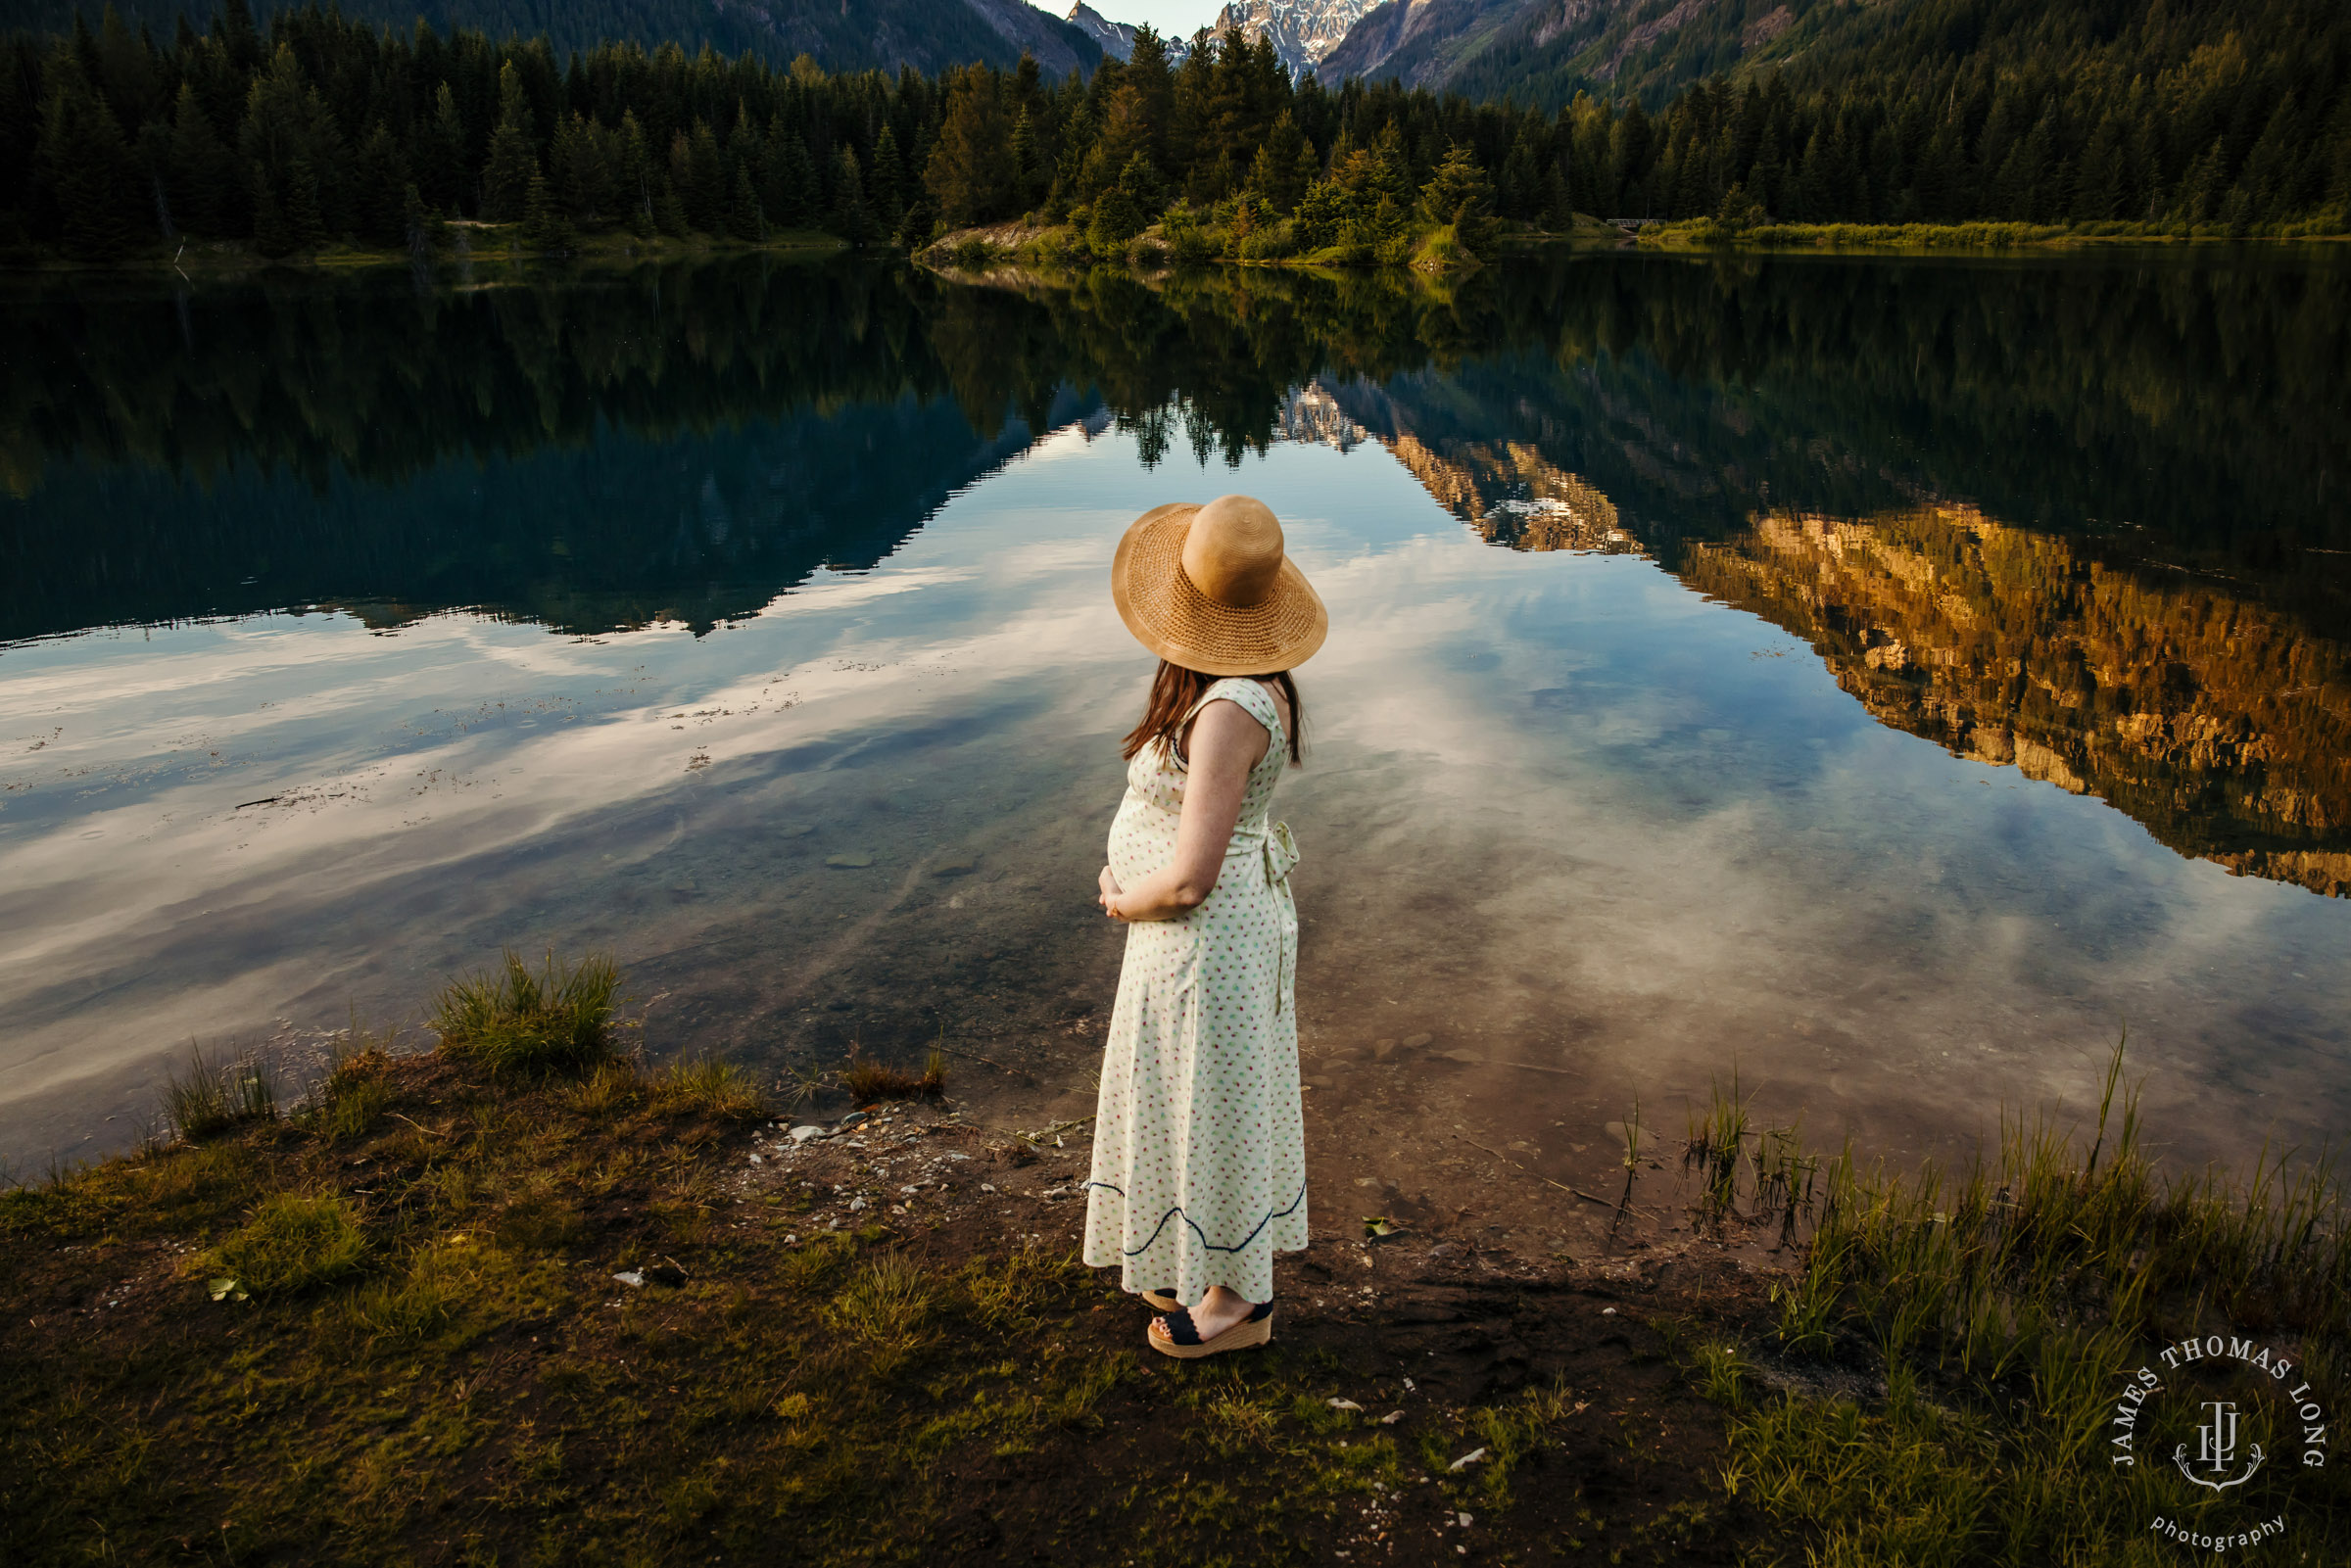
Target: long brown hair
1174, 692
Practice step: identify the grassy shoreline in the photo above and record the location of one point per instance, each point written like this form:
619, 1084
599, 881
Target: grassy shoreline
465, 242
522, 1299
1022, 242
1704, 234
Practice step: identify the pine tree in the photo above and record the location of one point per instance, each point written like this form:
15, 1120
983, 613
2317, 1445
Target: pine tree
669, 213
1027, 162
306, 213
788, 190
634, 176
513, 158
90, 174
1558, 209
272, 235
439, 161
850, 217
885, 182
743, 219
201, 173
291, 137
380, 187
1116, 219
1459, 193
1283, 166
700, 176
970, 169
544, 228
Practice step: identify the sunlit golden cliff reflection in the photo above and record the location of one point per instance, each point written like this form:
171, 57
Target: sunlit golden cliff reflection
1510, 494
2218, 721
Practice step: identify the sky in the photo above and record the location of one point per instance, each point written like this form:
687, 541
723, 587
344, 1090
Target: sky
1177, 19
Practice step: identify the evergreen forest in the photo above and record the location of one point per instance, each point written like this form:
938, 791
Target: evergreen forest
318, 131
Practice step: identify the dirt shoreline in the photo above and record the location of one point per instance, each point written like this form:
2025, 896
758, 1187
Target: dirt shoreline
541, 1398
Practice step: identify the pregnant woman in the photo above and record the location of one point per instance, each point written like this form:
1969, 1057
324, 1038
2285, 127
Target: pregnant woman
1199, 1147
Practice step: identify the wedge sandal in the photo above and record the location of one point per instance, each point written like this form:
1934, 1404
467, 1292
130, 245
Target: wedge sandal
1162, 1301
1255, 1329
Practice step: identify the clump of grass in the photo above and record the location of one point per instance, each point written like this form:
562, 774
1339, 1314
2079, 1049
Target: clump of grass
609, 1088
882, 1311
804, 1086
711, 1087
217, 1095
2005, 1307
357, 1085
1012, 1291
1733, 1157
516, 1022
400, 1312
868, 1080
292, 1243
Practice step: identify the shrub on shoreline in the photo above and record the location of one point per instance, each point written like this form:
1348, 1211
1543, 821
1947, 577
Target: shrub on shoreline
512, 1020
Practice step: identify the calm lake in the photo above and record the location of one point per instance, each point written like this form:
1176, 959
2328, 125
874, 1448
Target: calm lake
1893, 678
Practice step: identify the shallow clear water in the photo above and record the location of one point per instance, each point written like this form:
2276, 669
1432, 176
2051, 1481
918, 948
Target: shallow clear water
1679, 712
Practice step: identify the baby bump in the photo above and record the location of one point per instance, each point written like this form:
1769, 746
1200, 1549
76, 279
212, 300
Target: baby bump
1142, 840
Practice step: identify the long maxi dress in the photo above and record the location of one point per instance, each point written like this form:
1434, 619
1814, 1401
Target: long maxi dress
1199, 1169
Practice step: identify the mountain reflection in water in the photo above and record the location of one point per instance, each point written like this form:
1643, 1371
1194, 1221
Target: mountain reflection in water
2220, 721
2081, 517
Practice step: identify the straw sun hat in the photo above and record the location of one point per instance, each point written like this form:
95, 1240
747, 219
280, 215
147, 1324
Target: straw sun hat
1210, 588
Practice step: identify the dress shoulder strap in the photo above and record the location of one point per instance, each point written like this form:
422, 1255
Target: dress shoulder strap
1254, 700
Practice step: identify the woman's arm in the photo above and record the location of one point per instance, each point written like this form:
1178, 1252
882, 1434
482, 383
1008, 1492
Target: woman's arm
1226, 743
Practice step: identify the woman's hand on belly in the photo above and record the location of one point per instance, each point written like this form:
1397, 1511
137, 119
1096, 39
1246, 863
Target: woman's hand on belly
1109, 891
1226, 742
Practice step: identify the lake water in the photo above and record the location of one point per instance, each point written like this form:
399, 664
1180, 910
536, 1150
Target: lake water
1890, 677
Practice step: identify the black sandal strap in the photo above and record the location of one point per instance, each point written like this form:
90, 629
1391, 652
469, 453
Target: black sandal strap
1181, 1328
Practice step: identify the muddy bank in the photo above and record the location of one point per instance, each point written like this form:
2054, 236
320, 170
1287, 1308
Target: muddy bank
871, 1346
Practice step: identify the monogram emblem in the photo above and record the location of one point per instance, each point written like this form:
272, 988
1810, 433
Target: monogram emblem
2216, 1449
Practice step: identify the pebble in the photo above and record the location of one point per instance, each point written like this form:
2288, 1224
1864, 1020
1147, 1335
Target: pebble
956, 866
631, 1278
1473, 1456
1342, 1404
849, 859
1414, 1042
804, 1134
1391, 1418
856, 1204
987, 1187
853, 1118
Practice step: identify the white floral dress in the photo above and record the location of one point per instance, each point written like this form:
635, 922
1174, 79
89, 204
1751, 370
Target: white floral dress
1199, 1170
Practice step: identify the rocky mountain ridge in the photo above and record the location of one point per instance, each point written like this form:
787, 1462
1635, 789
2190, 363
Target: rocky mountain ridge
1116, 38
930, 35
1549, 48
1304, 31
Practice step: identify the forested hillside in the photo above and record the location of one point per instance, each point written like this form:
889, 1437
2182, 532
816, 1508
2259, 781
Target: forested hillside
930, 35
2235, 112
323, 129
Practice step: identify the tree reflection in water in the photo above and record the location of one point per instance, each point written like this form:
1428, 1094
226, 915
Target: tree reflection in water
2081, 515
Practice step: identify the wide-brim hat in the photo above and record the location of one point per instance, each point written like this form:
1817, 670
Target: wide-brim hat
1209, 587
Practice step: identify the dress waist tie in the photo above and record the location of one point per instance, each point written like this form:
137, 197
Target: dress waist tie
1280, 853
